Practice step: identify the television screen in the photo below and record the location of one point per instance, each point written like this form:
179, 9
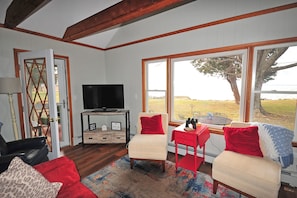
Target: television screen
103, 97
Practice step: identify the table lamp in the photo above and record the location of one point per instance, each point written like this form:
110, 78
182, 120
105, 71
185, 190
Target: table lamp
11, 86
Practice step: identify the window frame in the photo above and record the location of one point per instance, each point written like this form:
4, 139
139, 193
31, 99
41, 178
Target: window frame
254, 68
243, 52
145, 89
247, 72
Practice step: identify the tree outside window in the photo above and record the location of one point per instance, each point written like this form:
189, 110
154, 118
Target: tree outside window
275, 86
208, 87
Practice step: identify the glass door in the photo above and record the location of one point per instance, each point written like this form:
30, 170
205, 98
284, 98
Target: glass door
39, 100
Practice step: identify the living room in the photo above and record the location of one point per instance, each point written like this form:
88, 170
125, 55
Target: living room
120, 59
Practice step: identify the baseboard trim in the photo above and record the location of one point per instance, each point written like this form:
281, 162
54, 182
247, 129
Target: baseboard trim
209, 157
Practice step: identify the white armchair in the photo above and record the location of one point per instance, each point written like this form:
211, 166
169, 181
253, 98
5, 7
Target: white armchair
149, 146
252, 176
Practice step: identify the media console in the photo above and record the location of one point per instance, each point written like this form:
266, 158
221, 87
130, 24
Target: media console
98, 136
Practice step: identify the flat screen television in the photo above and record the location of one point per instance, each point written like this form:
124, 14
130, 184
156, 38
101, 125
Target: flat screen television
103, 97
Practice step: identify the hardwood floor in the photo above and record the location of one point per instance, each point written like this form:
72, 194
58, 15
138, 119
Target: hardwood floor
90, 158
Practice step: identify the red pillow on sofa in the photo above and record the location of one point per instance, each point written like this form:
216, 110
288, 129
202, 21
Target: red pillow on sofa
243, 140
152, 125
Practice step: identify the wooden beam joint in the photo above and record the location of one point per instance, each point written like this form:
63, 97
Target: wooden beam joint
19, 10
122, 13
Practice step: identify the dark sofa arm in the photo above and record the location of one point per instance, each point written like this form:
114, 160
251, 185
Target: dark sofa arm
30, 143
5, 159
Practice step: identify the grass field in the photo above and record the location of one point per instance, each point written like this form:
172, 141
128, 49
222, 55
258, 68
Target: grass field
282, 112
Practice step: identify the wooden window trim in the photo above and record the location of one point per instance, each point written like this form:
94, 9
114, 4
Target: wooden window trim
248, 46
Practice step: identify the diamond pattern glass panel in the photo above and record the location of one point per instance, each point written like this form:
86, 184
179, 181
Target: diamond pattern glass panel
37, 97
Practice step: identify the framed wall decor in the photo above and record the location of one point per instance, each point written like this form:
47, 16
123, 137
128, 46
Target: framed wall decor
116, 126
92, 126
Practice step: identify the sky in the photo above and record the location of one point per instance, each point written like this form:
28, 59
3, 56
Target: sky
196, 83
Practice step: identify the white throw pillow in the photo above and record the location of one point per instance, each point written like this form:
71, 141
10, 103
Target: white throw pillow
22, 180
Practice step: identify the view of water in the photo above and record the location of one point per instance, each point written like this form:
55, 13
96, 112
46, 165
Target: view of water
191, 83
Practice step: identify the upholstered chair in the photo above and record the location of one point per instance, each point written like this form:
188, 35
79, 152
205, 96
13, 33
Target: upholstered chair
250, 175
31, 150
150, 141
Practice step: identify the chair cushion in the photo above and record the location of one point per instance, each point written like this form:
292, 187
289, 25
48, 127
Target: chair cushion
257, 176
152, 125
148, 147
3, 146
243, 140
22, 180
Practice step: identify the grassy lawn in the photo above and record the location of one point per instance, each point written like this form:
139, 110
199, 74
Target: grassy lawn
281, 112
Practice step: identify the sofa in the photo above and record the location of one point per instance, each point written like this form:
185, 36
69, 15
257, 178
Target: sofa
64, 170
51, 179
253, 158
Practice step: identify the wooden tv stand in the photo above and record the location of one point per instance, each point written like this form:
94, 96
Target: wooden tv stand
97, 136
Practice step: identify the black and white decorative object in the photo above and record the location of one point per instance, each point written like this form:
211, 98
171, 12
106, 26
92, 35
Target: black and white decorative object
92, 126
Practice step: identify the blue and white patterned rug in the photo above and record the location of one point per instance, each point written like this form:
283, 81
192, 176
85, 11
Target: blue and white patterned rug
146, 180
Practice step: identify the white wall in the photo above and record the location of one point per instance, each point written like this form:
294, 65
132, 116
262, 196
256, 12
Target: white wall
124, 64
86, 66
193, 14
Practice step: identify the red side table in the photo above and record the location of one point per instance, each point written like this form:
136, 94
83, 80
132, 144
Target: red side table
194, 139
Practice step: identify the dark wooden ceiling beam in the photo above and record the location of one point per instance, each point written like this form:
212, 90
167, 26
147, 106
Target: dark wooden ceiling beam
19, 10
122, 13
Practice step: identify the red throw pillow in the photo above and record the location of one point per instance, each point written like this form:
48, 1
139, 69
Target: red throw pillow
152, 125
243, 140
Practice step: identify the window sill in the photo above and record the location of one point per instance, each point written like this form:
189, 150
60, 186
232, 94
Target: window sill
216, 129
219, 130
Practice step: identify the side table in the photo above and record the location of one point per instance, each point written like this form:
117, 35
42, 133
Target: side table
194, 139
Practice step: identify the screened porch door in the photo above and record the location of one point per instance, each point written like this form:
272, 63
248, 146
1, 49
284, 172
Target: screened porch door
39, 98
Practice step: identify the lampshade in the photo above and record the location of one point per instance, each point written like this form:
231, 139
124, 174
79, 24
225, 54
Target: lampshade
10, 85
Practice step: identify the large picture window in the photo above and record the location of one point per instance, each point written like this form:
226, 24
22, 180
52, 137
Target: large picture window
207, 87
226, 86
275, 85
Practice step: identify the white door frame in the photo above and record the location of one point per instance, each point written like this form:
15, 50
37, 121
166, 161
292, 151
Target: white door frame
63, 103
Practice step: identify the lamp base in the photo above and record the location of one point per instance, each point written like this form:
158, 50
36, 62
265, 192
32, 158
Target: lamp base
13, 118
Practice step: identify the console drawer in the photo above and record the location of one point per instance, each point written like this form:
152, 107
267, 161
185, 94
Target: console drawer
186, 139
97, 137
119, 138
90, 138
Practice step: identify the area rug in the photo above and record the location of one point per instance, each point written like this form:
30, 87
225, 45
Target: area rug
147, 180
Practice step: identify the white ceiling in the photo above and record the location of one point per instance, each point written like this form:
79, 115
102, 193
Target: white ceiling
54, 18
